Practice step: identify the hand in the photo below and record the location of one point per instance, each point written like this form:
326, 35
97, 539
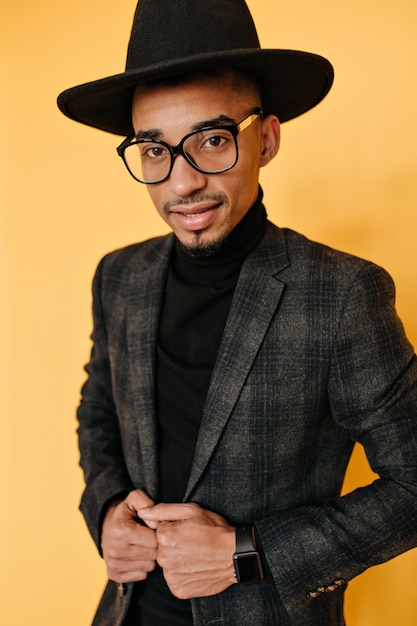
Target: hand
195, 548
129, 549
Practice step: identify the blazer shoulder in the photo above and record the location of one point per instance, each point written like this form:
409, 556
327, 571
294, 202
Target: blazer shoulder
313, 265
323, 258
136, 256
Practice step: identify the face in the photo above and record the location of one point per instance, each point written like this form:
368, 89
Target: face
202, 209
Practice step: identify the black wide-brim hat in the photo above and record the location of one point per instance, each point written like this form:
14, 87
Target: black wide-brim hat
172, 37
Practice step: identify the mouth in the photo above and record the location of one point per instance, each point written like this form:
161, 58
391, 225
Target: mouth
194, 210
194, 217
193, 214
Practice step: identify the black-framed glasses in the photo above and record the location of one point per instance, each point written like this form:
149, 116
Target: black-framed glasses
210, 150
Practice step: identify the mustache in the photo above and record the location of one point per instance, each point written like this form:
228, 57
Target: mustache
194, 199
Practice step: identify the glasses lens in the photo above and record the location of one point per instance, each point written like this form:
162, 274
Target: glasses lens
148, 161
212, 150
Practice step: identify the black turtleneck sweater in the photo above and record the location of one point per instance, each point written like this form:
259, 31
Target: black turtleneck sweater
198, 295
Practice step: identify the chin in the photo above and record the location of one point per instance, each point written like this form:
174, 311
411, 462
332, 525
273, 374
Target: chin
199, 246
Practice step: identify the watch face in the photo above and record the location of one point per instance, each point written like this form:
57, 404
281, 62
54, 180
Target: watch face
248, 568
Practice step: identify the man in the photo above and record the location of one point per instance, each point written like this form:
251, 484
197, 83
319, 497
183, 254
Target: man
234, 363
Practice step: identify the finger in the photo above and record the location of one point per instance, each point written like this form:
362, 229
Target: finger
168, 512
151, 523
129, 572
138, 499
125, 536
127, 558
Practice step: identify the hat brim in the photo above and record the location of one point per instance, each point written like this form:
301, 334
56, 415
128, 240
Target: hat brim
292, 83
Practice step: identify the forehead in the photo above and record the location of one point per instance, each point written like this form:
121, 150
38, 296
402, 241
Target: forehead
184, 103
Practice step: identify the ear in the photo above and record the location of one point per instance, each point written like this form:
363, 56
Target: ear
269, 140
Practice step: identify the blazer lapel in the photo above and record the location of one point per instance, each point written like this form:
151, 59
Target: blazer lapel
146, 288
255, 301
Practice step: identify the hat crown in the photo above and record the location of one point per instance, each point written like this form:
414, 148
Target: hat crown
165, 30
171, 37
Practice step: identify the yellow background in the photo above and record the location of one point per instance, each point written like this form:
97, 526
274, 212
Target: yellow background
346, 176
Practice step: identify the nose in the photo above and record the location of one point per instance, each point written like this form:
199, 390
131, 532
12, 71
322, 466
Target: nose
184, 179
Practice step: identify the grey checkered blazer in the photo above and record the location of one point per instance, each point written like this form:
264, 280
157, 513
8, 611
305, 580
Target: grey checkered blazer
313, 358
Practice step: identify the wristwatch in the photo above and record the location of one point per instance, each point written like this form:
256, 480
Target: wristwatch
246, 559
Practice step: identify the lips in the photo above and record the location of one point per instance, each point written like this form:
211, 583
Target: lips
193, 209
188, 214
195, 217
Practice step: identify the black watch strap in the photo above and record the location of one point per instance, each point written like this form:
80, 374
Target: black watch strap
247, 562
244, 539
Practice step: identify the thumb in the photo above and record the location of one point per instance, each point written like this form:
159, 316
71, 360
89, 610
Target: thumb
138, 499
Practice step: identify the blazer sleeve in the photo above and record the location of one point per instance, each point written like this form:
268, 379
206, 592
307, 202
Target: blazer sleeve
372, 390
101, 452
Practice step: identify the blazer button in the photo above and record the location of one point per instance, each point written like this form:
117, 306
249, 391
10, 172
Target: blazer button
337, 583
316, 593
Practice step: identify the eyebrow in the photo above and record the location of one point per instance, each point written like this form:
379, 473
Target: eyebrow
154, 133
215, 121
157, 133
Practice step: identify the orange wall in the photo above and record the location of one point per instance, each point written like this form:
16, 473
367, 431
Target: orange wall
346, 176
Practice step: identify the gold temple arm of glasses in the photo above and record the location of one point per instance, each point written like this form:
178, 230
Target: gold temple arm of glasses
249, 120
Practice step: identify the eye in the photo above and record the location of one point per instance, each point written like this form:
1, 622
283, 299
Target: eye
152, 151
215, 140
